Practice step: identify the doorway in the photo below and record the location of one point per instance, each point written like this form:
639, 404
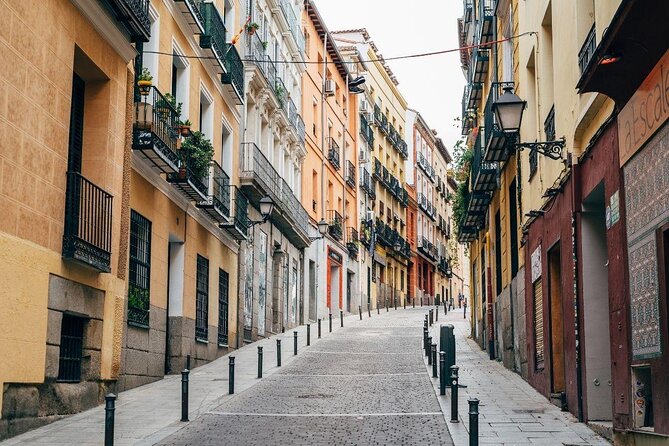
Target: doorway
312, 290
596, 312
175, 289
349, 289
334, 281
556, 324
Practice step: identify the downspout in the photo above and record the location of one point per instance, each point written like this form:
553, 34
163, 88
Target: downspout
575, 225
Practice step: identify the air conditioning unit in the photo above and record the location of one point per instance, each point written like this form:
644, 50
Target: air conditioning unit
330, 87
364, 154
369, 215
364, 106
369, 116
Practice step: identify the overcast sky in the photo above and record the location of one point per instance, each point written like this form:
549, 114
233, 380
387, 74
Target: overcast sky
431, 85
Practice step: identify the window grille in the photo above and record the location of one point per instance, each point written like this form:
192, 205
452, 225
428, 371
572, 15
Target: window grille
71, 345
223, 287
202, 299
139, 279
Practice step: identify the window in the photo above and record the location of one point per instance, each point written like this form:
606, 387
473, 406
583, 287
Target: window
534, 162
223, 287
202, 299
538, 326
498, 253
140, 270
71, 345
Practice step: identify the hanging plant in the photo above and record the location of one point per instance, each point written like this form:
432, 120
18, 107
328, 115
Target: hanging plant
144, 81
195, 154
252, 27
184, 128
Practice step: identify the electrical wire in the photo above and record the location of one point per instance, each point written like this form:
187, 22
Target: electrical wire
380, 59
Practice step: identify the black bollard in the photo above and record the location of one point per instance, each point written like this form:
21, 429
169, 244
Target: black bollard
110, 407
454, 394
387, 307
442, 373
278, 352
295, 343
378, 309
405, 303
428, 351
431, 315
395, 299
436, 313
187, 362
330, 316
341, 317
425, 334
259, 362
231, 376
319, 328
184, 395
308, 335
445, 307
434, 360
360, 311
473, 421
413, 302
369, 310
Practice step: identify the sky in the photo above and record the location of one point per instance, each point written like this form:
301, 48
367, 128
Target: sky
431, 85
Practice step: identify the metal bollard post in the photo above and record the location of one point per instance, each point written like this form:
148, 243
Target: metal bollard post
184, 395
405, 303
413, 302
341, 317
445, 308
436, 313
308, 335
360, 311
428, 353
278, 352
434, 360
369, 310
395, 299
187, 362
259, 362
231, 376
330, 316
442, 373
110, 407
378, 309
387, 307
431, 315
473, 421
454, 394
295, 343
319, 328
425, 338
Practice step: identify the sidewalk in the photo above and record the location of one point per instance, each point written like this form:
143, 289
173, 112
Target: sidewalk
511, 411
147, 414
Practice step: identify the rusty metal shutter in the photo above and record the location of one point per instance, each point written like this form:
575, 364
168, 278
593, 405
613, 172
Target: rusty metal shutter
538, 325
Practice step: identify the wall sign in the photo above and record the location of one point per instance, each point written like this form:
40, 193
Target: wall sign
536, 264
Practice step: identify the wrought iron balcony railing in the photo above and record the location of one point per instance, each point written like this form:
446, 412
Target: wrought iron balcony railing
239, 223
495, 140
549, 125
366, 130
485, 21
88, 223
366, 228
350, 173
213, 38
190, 180
378, 170
155, 131
217, 203
484, 173
234, 73
587, 50
134, 15
352, 241
333, 153
190, 9
336, 224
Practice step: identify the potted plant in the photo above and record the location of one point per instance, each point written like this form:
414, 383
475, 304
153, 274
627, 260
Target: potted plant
280, 92
264, 45
184, 127
195, 154
252, 27
144, 81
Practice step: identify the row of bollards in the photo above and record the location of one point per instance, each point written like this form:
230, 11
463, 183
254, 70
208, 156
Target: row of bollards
110, 399
445, 355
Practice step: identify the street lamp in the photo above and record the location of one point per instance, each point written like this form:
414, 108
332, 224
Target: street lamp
266, 208
322, 230
508, 110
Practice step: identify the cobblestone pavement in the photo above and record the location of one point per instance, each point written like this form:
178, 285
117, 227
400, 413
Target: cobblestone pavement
366, 385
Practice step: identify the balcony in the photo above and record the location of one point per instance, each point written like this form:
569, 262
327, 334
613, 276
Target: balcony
193, 184
380, 119
335, 224
155, 132
259, 178
233, 78
495, 140
350, 174
217, 204
587, 50
485, 24
238, 224
402, 148
366, 131
474, 95
190, 9
549, 125
468, 115
377, 171
134, 14
479, 68
213, 38
484, 173
352, 242
366, 227
88, 223
333, 153
290, 22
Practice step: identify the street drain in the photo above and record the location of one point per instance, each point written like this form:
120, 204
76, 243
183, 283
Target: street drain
316, 396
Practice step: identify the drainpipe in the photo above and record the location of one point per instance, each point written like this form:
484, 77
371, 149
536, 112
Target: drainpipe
575, 230
491, 328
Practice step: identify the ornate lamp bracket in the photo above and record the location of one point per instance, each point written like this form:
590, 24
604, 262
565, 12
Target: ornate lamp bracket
551, 149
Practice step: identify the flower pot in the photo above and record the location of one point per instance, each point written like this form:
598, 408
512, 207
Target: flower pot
184, 130
251, 31
144, 87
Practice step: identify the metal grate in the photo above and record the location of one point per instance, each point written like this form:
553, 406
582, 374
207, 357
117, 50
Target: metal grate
538, 326
71, 344
202, 299
223, 288
587, 50
534, 162
140, 270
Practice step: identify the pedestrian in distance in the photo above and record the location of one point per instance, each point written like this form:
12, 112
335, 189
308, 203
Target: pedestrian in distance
464, 313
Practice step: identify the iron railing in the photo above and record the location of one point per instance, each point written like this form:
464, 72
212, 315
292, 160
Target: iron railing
534, 162
366, 130
587, 50
240, 210
490, 126
220, 189
156, 130
88, 223
135, 16
549, 125
352, 240
214, 32
336, 224
234, 70
191, 8
350, 173
333, 152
